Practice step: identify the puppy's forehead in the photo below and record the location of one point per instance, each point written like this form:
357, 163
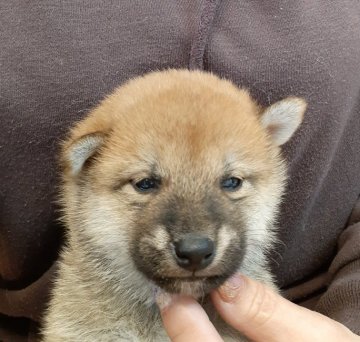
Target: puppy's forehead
187, 126
190, 124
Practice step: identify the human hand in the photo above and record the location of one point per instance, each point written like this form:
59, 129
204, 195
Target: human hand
252, 308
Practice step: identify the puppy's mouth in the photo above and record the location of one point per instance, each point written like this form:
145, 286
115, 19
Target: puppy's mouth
195, 286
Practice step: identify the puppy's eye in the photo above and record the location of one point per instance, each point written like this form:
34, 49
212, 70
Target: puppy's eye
231, 184
146, 185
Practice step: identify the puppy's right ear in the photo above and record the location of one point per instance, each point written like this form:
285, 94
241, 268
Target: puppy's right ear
78, 151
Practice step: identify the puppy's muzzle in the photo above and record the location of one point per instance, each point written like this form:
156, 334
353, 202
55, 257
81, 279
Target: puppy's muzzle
194, 252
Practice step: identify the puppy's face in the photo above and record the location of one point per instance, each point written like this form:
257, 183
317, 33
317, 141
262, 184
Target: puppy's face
177, 176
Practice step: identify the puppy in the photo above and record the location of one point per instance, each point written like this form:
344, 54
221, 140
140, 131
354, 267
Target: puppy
172, 182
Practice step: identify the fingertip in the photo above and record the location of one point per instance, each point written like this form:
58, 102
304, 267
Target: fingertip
185, 320
230, 290
246, 306
163, 299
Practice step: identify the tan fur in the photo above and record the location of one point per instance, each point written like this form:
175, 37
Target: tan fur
190, 127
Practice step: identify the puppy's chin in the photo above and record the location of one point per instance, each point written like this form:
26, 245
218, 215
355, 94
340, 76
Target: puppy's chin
196, 287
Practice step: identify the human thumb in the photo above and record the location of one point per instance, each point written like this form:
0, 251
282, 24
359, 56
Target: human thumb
263, 315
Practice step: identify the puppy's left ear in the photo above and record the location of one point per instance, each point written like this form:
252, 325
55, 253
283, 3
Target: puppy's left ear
283, 118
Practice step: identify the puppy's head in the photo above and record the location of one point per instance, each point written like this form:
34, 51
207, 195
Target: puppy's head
177, 177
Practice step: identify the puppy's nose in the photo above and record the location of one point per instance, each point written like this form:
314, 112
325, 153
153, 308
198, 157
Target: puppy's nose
194, 252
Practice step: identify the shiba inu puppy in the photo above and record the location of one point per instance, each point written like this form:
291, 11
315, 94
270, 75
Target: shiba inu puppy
172, 182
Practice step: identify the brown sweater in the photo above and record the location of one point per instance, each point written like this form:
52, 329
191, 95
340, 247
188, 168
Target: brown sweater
59, 58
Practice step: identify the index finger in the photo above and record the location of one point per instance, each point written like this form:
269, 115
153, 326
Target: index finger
185, 320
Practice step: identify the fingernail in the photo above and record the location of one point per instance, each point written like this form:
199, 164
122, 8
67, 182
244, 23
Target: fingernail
163, 299
231, 288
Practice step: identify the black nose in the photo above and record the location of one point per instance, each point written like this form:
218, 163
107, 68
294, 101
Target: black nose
194, 252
